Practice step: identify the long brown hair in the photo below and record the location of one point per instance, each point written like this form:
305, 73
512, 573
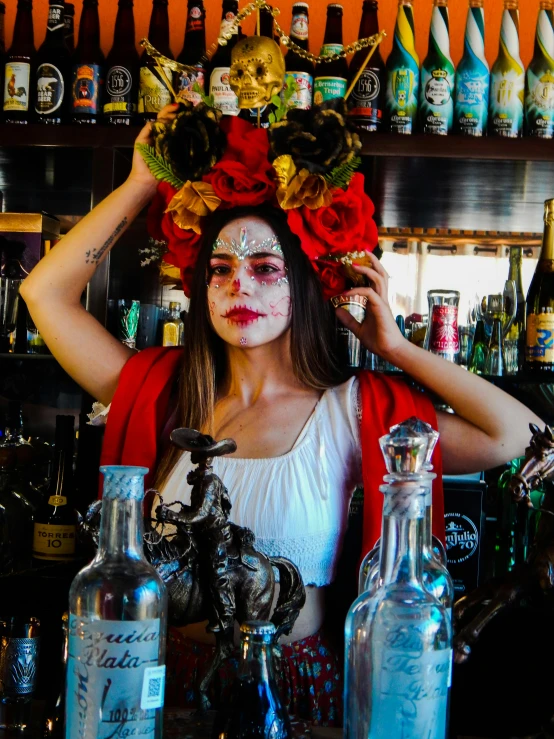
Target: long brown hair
312, 336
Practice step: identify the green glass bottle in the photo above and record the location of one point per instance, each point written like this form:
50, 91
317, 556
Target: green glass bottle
514, 344
471, 113
403, 73
436, 94
507, 79
479, 351
539, 346
539, 80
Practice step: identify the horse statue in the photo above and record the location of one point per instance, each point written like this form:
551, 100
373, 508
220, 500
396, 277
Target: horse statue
210, 565
532, 580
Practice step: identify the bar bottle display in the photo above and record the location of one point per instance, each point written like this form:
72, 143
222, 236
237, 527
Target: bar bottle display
471, 113
17, 95
52, 70
367, 100
122, 64
224, 98
88, 68
154, 94
507, 79
69, 26
331, 78
539, 79
117, 609
301, 70
539, 350
436, 97
193, 54
403, 73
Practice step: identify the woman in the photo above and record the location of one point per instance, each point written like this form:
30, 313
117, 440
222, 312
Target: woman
259, 367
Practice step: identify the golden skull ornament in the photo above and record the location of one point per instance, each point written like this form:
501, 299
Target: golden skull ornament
257, 71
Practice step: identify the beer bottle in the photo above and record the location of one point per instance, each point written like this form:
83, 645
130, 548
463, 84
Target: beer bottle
193, 54
471, 111
55, 522
331, 78
301, 70
539, 82
224, 98
153, 91
367, 99
17, 71
52, 70
539, 347
122, 64
436, 95
69, 26
260, 116
88, 68
514, 345
507, 79
403, 73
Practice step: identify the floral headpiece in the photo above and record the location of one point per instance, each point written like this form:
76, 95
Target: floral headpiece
305, 164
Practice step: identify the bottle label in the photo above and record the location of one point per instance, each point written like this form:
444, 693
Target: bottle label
228, 24
364, 100
16, 86
195, 21
50, 89
304, 84
327, 88
18, 666
539, 103
57, 500
55, 17
472, 101
119, 86
114, 682
540, 338
224, 98
153, 94
299, 27
402, 90
187, 81
444, 329
86, 89
54, 541
506, 107
437, 105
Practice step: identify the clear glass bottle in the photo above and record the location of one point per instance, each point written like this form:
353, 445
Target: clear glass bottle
117, 619
398, 641
173, 328
442, 332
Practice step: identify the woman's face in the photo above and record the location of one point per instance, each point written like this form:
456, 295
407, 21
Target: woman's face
248, 290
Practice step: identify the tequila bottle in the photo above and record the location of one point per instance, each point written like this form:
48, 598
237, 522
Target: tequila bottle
117, 624
403, 73
436, 97
471, 112
507, 79
539, 80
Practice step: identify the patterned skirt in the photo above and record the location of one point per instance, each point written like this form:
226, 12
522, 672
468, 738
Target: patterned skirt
309, 677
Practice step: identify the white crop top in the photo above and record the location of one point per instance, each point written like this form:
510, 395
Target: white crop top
296, 504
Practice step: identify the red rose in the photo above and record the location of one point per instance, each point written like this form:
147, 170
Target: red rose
246, 143
162, 198
332, 280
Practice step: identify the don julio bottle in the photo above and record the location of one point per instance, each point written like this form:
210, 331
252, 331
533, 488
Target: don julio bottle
224, 98
471, 111
507, 79
331, 78
301, 70
436, 102
539, 80
154, 93
122, 64
367, 100
52, 70
117, 624
539, 350
17, 95
88, 68
403, 73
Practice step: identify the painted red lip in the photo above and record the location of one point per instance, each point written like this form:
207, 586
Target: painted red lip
242, 315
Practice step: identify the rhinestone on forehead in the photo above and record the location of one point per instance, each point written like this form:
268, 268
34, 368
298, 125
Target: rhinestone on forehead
244, 248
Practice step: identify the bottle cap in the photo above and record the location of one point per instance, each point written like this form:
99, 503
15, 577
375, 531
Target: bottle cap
404, 450
422, 429
265, 628
301, 5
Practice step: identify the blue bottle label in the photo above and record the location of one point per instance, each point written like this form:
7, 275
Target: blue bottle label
114, 681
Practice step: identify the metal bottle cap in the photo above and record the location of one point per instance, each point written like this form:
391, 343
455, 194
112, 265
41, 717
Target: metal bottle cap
261, 628
421, 428
404, 451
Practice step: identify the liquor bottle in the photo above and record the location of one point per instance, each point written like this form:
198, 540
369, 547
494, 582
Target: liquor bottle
300, 69
20, 639
495, 358
539, 80
514, 344
122, 64
193, 54
224, 98
55, 527
403, 73
507, 79
117, 609
436, 95
88, 68
52, 70
331, 78
55, 708
367, 100
539, 346
173, 328
154, 93
69, 26
256, 710
17, 70
399, 639
471, 112
479, 350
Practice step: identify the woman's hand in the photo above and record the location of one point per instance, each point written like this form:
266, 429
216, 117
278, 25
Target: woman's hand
379, 332
140, 174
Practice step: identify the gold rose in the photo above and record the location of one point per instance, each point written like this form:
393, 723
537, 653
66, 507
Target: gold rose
194, 201
299, 188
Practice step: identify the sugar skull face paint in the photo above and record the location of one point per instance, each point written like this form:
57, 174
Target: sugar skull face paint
248, 291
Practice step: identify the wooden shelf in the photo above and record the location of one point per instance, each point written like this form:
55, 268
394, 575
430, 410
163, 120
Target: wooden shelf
111, 137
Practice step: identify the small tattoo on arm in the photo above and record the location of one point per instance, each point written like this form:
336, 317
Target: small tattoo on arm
93, 256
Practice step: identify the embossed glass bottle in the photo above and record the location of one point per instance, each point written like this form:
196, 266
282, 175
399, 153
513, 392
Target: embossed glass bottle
398, 641
117, 624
